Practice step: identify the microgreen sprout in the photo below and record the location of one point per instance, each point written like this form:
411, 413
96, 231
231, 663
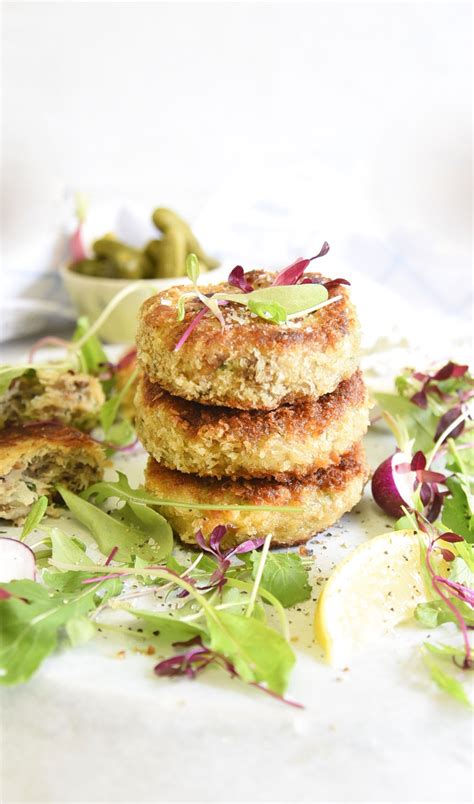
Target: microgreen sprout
286, 298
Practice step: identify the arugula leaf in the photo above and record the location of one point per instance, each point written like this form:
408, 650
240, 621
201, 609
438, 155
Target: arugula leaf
80, 630
285, 576
92, 355
436, 612
445, 651
37, 512
420, 424
460, 572
121, 433
66, 549
168, 627
121, 488
456, 515
141, 532
152, 524
461, 461
30, 622
110, 409
258, 653
72, 581
446, 682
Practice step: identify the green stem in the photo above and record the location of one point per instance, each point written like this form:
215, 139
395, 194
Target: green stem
258, 575
247, 587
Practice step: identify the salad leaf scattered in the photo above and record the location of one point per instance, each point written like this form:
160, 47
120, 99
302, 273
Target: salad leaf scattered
285, 576
31, 617
91, 354
431, 418
135, 529
445, 681
457, 513
36, 514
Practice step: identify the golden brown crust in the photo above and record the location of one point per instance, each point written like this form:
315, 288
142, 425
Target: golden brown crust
299, 418
251, 363
291, 441
35, 458
258, 491
323, 496
321, 330
30, 437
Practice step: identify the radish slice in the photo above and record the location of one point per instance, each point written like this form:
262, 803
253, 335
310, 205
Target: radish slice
17, 561
392, 488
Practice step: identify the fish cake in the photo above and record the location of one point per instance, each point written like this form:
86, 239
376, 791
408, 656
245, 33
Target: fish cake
325, 496
35, 458
293, 440
251, 363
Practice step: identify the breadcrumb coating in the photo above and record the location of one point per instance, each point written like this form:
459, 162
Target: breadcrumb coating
325, 495
220, 442
251, 363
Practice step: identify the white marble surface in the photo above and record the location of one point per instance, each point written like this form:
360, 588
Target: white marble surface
91, 727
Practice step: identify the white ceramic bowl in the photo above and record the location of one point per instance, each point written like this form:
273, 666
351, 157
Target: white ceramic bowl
91, 294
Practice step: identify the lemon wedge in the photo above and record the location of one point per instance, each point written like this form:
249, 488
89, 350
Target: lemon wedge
374, 589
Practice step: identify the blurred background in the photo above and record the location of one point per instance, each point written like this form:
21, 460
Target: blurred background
270, 126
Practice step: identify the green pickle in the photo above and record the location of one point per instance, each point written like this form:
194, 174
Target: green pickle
166, 220
163, 258
130, 263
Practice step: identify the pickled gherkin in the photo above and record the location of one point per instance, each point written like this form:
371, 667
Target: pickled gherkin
161, 258
130, 263
168, 221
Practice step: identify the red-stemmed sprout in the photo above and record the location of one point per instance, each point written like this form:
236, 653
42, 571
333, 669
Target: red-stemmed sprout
238, 280
197, 657
430, 384
293, 273
428, 483
223, 557
111, 556
440, 584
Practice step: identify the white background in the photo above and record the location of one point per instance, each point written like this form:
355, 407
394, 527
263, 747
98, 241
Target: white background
272, 126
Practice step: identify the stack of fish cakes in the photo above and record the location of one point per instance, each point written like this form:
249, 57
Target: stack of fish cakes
256, 413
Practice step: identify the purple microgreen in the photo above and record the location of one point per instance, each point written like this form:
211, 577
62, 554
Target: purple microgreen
429, 384
198, 657
238, 280
334, 283
438, 582
448, 555
446, 420
461, 591
418, 461
420, 399
449, 371
293, 273
223, 557
452, 538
